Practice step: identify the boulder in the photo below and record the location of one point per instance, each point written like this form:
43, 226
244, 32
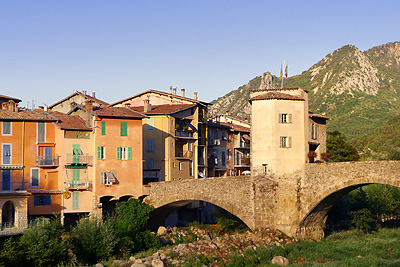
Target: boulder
161, 231
281, 261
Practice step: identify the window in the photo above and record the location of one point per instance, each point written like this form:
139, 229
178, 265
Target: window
35, 177
190, 168
5, 180
75, 200
265, 167
124, 128
41, 132
150, 124
76, 153
149, 145
108, 178
124, 153
6, 128
6, 154
229, 154
101, 152
42, 200
223, 158
313, 131
103, 127
149, 163
286, 141
46, 155
180, 166
285, 118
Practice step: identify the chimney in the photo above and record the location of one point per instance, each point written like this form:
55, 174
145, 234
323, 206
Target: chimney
174, 91
94, 94
170, 90
195, 96
183, 92
128, 105
84, 92
72, 105
45, 108
147, 105
88, 106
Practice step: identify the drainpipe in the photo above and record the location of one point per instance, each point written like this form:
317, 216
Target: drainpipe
23, 154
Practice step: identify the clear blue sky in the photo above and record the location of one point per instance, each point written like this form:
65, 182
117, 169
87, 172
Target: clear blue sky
50, 48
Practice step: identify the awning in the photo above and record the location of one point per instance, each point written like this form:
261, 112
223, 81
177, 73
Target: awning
11, 167
75, 166
245, 136
191, 126
110, 177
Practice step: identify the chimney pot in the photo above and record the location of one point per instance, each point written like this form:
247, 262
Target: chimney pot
174, 91
183, 92
170, 90
147, 105
94, 94
89, 106
45, 108
195, 96
84, 92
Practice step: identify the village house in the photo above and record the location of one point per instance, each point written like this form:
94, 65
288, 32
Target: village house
283, 132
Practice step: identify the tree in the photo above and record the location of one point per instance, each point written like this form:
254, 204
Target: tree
340, 149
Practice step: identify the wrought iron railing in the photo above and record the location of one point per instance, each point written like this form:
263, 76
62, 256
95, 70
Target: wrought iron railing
71, 184
84, 159
12, 186
43, 161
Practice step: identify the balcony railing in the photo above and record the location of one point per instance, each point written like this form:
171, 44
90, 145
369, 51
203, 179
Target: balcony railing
12, 186
70, 184
181, 133
181, 154
84, 159
242, 145
242, 161
43, 161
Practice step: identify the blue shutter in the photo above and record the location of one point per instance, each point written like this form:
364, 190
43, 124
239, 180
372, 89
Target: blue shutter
46, 200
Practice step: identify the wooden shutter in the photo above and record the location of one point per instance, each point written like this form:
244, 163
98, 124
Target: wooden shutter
124, 128
99, 152
290, 118
118, 152
103, 127
129, 153
75, 200
102, 177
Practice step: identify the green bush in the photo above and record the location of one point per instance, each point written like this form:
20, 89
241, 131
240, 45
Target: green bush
363, 220
42, 244
93, 239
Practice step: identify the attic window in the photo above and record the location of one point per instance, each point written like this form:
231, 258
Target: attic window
77, 134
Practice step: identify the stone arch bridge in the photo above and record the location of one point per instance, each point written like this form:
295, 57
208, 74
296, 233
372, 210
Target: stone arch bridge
296, 204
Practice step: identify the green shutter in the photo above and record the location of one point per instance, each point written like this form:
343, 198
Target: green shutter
75, 200
129, 153
76, 175
76, 151
103, 127
124, 128
98, 152
118, 152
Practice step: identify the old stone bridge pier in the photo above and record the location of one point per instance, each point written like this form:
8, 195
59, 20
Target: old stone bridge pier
297, 203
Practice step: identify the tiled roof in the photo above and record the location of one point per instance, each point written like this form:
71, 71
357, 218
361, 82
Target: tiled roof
160, 93
163, 109
69, 122
278, 89
25, 115
276, 96
237, 128
10, 98
117, 112
79, 93
310, 114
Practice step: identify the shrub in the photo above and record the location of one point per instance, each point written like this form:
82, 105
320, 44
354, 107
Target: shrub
93, 240
362, 220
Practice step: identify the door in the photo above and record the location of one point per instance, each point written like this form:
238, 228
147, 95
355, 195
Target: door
5, 180
47, 155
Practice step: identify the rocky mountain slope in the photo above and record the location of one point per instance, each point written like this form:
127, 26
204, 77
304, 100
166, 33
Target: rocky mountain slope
359, 91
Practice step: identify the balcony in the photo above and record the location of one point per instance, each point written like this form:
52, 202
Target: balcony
184, 155
181, 133
78, 185
242, 162
43, 161
245, 145
84, 159
12, 186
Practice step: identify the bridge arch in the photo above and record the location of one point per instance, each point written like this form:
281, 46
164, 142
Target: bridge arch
328, 183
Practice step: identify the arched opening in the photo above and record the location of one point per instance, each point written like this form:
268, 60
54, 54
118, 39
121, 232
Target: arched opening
8, 214
108, 203
335, 212
180, 213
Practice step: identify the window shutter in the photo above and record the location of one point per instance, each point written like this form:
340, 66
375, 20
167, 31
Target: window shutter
280, 118
129, 153
281, 140
289, 141
290, 118
36, 200
102, 177
115, 177
34, 177
76, 175
124, 128
75, 200
98, 152
118, 152
103, 127
46, 200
